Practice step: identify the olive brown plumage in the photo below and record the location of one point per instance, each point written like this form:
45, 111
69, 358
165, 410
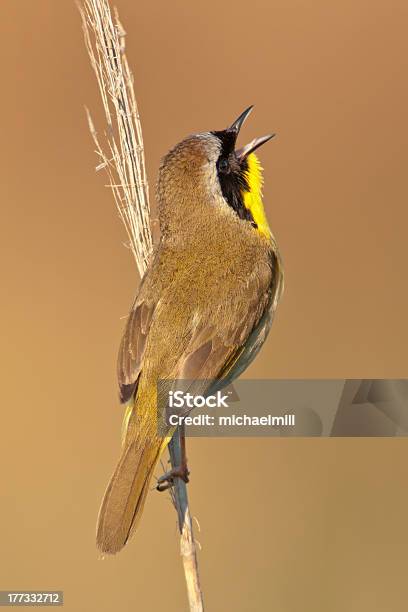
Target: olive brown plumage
204, 307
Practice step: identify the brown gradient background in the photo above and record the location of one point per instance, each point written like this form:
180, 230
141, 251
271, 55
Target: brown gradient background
286, 525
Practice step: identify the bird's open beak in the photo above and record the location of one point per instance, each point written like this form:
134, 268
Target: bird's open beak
238, 123
255, 143
251, 146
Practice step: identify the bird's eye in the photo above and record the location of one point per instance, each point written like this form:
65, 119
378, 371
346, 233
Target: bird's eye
223, 165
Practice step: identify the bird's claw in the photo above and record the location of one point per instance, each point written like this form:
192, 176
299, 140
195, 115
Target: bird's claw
167, 480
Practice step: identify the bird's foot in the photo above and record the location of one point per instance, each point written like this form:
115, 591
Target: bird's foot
167, 480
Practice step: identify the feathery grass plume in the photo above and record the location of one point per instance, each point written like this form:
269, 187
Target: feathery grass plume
122, 156
123, 160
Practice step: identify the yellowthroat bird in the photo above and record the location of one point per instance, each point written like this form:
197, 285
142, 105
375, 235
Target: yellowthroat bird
204, 308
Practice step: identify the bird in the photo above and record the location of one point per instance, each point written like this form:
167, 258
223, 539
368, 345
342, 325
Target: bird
204, 307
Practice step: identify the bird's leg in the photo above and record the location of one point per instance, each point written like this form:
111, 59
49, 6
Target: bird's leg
181, 471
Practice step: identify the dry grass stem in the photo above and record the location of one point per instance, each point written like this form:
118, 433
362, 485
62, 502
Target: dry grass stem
122, 153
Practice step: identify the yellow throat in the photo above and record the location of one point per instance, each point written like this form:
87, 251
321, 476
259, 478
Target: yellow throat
253, 197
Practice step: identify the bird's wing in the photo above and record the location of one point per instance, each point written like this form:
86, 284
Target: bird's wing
224, 352
246, 353
132, 348
213, 350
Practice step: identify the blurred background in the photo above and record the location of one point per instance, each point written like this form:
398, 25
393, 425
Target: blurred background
290, 525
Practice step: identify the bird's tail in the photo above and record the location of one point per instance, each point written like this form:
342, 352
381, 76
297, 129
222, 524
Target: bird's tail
123, 502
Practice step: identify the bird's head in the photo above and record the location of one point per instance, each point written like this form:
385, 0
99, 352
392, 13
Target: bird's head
207, 170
